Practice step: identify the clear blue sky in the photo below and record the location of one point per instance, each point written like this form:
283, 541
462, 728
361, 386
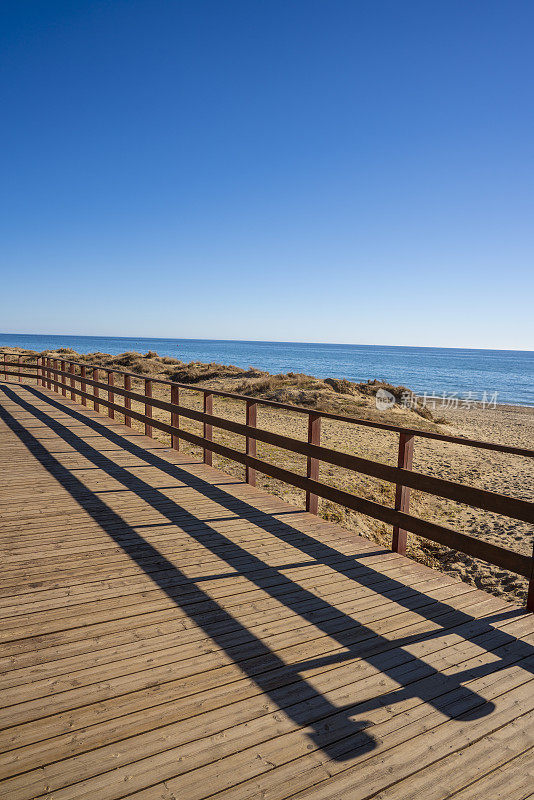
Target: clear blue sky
339, 171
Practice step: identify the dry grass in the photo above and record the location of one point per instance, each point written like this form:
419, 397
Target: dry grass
498, 472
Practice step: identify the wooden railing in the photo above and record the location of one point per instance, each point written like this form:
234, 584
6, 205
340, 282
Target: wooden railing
71, 377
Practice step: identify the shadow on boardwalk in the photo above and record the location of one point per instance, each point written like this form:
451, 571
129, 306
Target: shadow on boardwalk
331, 728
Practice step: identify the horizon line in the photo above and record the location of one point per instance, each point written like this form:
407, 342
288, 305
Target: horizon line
266, 341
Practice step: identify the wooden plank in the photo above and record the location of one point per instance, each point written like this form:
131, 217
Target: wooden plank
189, 705
138, 722
220, 762
504, 759
179, 639
214, 722
208, 669
512, 780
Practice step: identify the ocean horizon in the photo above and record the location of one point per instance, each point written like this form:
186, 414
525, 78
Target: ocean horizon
502, 376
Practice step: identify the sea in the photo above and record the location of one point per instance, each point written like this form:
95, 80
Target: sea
443, 374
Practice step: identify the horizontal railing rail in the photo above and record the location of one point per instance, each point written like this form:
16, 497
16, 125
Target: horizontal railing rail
53, 373
498, 448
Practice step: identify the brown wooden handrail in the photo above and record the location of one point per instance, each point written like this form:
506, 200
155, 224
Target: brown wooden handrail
496, 447
50, 375
470, 495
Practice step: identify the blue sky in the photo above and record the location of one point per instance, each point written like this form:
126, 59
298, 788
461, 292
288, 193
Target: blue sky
334, 171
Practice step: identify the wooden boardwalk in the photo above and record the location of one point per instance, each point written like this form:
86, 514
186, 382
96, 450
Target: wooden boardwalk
171, 632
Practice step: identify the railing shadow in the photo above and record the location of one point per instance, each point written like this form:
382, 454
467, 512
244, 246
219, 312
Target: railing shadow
252, 655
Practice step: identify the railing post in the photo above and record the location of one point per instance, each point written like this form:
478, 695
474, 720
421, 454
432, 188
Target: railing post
5, 367
50, 374
250, 441
72, 382
148, 407
175, 418
208, 429
127, 400
83, 385
96, 404
402, 493
20, 378
312, 464
111, 394
63, 381
56, 376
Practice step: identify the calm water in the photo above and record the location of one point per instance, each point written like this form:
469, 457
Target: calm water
510, 373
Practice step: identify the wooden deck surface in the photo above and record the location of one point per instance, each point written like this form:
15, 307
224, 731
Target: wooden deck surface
171, 632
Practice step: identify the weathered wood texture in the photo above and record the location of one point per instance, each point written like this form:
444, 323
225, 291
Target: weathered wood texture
169, 631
